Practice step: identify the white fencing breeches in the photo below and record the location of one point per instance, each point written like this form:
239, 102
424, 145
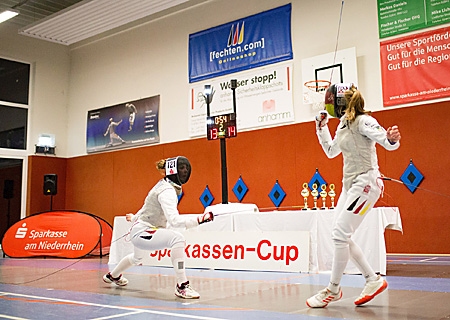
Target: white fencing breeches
352, 207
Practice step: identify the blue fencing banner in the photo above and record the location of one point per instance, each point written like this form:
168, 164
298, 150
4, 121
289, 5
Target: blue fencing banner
254, 41
123, 125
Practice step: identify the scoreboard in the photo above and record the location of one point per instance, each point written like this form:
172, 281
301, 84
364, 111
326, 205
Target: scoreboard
221, 126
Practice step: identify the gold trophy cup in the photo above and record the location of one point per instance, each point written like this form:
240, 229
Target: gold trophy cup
305, 195
323, 195
315, 194
332, 194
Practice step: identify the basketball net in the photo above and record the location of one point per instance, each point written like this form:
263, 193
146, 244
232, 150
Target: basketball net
314, 93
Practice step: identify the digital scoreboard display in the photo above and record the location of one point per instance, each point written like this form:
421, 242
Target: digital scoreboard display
221, 126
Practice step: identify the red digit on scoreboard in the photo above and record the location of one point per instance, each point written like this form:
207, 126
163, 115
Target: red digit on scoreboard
213, 134
232, 131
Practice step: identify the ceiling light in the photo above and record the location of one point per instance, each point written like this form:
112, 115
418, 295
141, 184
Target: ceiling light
8, 14
89, 18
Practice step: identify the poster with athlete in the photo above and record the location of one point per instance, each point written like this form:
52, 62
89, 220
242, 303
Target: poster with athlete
123, 125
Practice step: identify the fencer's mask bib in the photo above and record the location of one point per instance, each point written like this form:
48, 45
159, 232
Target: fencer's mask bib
178, 170
335, 102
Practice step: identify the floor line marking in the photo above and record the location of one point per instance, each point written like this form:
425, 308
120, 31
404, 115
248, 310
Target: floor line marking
112, 307
429, 259
118, 315
4, 316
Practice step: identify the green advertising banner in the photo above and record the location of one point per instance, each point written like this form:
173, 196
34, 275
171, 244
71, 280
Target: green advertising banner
401, 16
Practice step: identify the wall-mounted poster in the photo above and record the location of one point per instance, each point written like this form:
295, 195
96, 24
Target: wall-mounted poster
401, 16
123, 125
250, 42
263, 98
416, 68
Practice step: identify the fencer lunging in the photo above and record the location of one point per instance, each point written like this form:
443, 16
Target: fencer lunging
356, 137
112, 132
151, 229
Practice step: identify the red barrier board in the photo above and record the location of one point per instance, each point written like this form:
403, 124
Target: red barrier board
416, 68
64, 234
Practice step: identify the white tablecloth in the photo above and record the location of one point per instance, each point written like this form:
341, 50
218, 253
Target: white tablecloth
369, 236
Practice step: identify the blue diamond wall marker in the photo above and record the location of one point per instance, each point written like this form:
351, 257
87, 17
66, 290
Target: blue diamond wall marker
316, 179
206, 198
411, 177
277, 194
240, 189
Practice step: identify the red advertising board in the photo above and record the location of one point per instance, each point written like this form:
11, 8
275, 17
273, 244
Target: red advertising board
63, 234
416, 68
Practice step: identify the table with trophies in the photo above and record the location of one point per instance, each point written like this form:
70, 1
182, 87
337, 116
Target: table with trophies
314, 216
318, 219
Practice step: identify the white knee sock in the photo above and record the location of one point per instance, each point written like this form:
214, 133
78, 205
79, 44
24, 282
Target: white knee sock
177, 257
123, 265
358, 258
341, 256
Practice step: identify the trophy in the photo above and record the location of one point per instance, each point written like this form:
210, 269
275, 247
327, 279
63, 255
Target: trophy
315, 195
324, 194
305, 195
332, 194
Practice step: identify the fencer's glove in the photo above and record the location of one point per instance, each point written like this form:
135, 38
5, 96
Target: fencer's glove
321, 119
129, 217
206, 217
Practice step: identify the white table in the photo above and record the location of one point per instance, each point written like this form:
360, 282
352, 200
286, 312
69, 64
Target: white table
369, 236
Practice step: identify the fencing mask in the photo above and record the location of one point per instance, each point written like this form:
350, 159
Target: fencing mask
335, 102
178, 170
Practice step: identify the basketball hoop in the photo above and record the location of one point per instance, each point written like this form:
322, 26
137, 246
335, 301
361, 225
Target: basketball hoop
314, 93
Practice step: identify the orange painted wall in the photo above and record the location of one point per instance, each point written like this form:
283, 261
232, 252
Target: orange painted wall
114, 183
38, 166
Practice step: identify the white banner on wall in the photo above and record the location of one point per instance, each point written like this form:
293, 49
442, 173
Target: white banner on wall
263, 98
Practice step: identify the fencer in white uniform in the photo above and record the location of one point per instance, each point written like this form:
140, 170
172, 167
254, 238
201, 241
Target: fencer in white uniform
152, 226
356, 136
132, 111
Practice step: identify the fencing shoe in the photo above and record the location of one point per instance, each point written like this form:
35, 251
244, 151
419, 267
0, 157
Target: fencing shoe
120, 280
323, 298
371, 290
185, 291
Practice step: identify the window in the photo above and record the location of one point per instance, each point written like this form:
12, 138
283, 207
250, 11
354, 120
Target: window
14, 81
13, 127
14, 95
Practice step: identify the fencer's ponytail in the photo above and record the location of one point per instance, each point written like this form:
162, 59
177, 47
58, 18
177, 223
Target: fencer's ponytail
161, 166
355, 104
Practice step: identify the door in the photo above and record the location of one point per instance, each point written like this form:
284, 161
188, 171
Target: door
11, 192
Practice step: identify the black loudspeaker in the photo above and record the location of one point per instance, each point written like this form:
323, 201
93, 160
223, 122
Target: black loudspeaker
50, 184
8, 189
